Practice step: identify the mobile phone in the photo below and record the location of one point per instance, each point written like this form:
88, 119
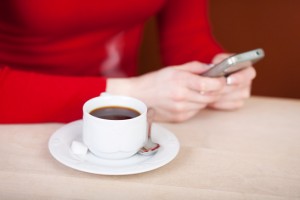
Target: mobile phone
235, 63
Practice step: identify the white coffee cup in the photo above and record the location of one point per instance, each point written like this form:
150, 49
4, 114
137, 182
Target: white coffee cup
114, 139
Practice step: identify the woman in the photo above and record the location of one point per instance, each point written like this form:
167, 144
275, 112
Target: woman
55, 55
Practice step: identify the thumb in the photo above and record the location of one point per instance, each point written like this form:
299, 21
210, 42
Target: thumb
219, 57
194, 67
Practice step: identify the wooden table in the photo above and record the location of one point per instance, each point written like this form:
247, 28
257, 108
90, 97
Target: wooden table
252, 153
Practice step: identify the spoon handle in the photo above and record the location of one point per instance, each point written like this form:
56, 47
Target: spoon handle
150, 117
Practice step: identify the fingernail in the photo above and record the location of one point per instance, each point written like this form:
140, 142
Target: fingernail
229, 80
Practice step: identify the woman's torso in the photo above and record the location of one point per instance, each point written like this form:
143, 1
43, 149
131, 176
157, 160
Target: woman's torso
73, 37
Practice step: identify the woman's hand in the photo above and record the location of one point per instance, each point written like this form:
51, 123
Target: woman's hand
177, 93
237, 90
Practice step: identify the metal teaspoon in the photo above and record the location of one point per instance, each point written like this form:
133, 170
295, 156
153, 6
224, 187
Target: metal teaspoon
150, 147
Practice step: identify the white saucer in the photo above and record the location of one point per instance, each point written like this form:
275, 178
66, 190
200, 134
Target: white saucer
60, 148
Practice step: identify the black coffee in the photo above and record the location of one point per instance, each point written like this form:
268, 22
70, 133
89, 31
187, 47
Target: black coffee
114, 113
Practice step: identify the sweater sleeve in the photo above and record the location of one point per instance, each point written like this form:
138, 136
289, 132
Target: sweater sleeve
31, 97
185, 32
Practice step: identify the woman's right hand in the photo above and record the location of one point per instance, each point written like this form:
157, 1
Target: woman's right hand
177, 93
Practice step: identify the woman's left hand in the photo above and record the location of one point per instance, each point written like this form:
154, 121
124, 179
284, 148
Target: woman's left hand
237, 90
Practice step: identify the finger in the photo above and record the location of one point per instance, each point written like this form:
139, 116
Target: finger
205, 84
239, 94
194, 67
175, 117
240, 77
227, 105
184, 116
203, 97
187, 95
178, 112
183, 107
220, 57
232, 88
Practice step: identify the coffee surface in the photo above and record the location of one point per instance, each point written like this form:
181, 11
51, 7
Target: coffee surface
115, 113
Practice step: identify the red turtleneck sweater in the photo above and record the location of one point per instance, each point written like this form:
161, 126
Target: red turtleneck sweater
55, 55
